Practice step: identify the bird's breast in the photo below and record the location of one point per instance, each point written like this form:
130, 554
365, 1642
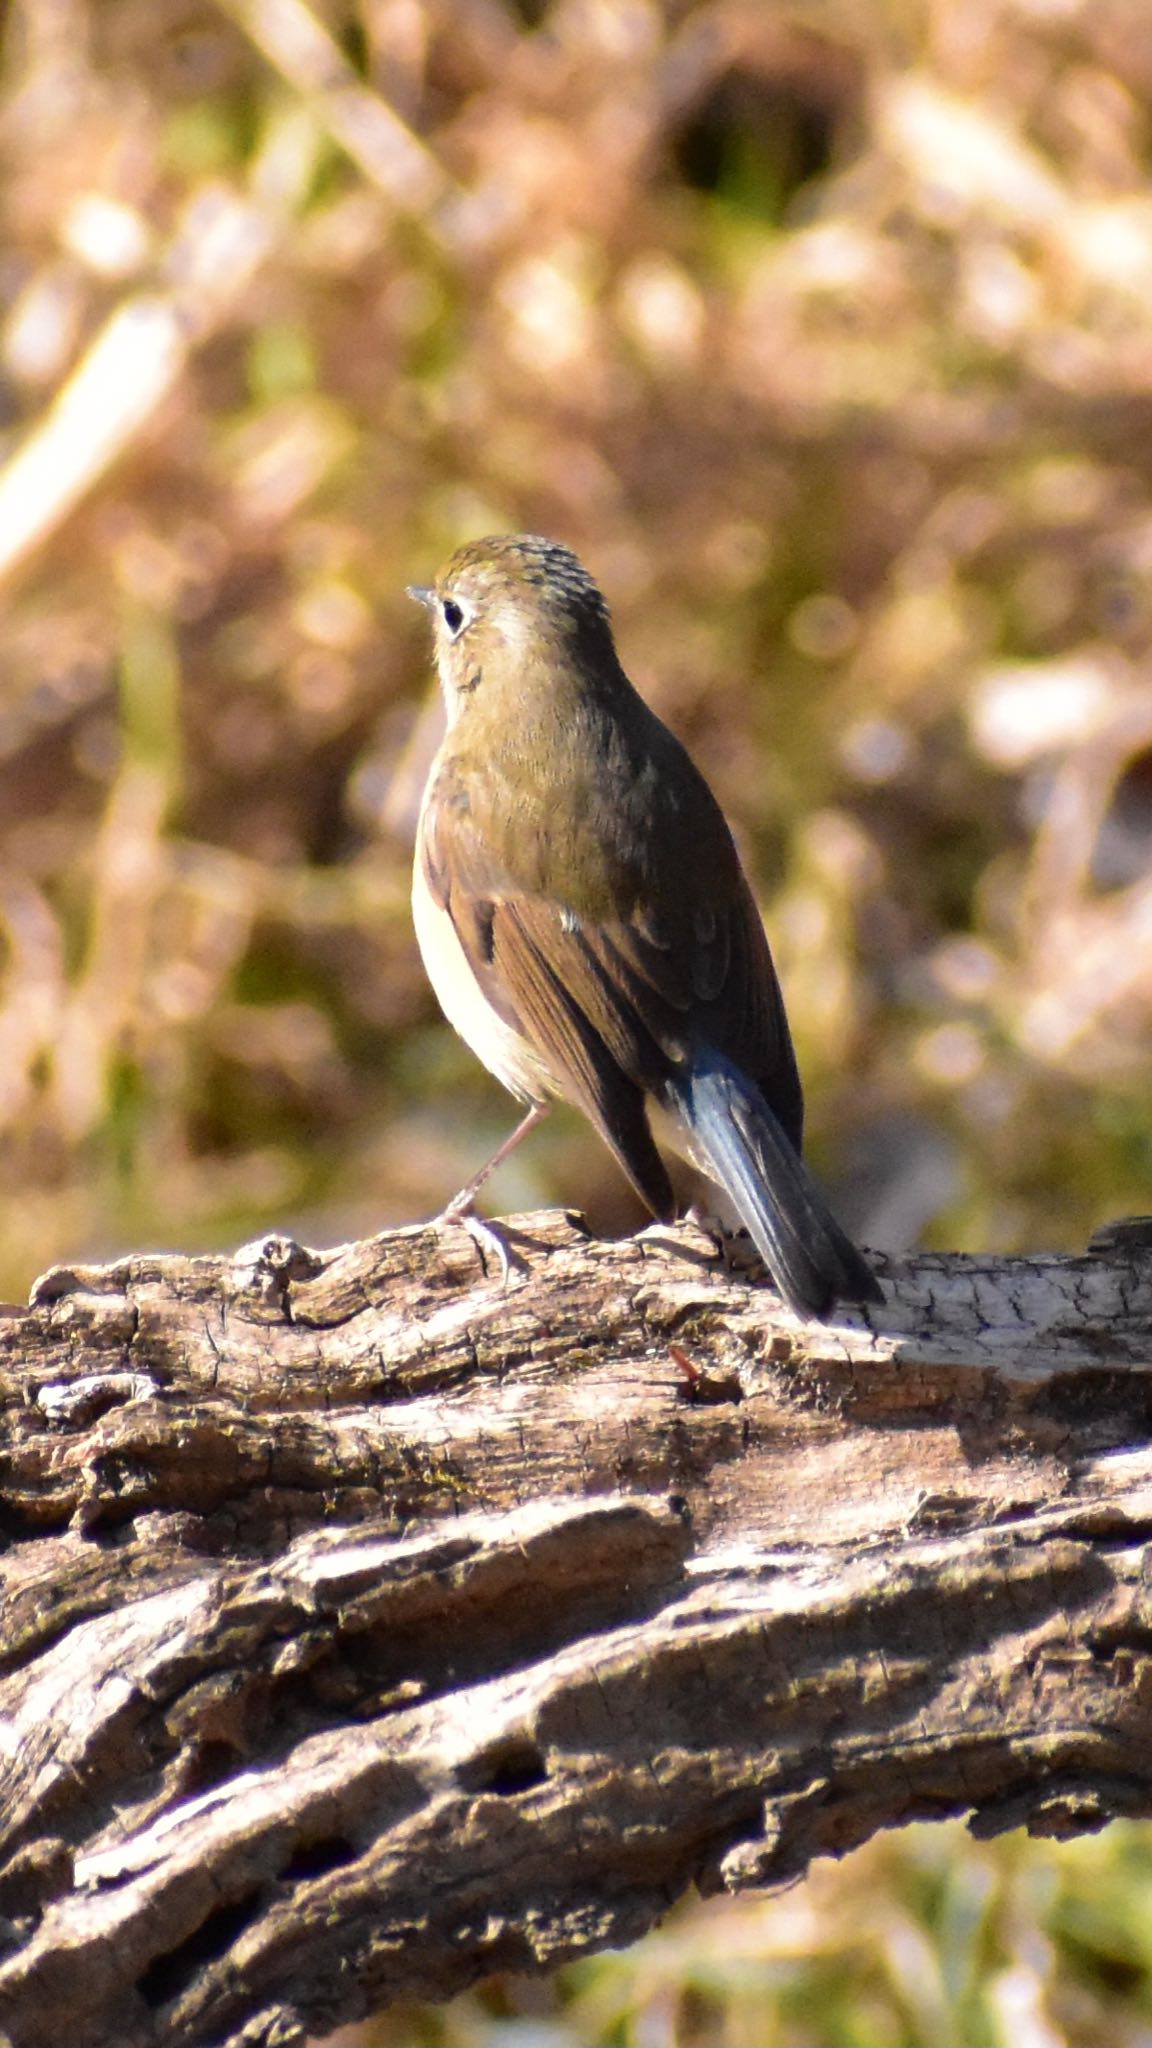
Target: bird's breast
496, 1043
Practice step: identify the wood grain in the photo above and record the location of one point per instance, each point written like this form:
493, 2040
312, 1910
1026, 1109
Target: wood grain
368, 1625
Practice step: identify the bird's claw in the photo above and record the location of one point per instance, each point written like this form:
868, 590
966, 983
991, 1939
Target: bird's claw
734, 1248
487, 1237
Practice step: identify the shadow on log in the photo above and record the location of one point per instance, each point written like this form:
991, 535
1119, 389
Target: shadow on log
368, 1626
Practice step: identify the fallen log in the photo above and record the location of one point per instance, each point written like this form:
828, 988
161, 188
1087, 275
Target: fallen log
370, 1625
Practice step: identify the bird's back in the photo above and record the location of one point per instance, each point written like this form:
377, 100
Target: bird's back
636, 856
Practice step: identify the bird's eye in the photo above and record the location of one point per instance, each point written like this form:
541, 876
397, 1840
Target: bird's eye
454, 616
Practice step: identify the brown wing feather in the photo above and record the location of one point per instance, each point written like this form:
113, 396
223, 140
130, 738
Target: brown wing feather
517, 949
612, 1004
563, 1005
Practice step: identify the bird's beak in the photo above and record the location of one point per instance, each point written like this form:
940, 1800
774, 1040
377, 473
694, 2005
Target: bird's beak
423, 593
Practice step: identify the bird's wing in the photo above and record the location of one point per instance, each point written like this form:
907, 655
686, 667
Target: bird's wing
612, 1005
702, 974
529, 979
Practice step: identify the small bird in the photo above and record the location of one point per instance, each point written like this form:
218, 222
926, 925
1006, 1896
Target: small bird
585, 921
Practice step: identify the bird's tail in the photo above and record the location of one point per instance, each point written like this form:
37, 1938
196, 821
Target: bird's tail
739, 1143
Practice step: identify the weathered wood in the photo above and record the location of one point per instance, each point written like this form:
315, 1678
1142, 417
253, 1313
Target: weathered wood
368, 1625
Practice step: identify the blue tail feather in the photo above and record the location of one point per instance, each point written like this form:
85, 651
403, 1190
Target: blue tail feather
739, 1142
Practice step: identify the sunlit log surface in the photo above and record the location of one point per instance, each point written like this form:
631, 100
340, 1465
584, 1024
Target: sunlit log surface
368, 1625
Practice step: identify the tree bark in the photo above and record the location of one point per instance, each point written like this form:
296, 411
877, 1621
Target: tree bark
369, 1624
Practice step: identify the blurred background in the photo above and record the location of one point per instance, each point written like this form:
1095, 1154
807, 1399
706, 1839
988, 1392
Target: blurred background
824, 334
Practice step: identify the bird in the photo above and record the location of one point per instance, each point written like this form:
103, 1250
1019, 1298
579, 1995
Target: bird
585, 920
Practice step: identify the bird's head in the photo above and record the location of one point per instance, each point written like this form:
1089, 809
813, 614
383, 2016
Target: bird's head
515, 614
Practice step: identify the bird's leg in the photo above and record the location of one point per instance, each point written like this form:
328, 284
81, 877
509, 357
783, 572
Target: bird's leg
488, 1236
461, 1203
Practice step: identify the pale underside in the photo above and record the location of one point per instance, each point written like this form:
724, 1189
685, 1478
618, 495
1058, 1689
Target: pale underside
505, 1053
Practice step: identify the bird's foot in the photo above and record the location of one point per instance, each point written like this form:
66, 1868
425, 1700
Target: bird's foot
734, 1247
488, 1237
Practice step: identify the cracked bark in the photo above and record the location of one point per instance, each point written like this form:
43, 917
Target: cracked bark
368, 1626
